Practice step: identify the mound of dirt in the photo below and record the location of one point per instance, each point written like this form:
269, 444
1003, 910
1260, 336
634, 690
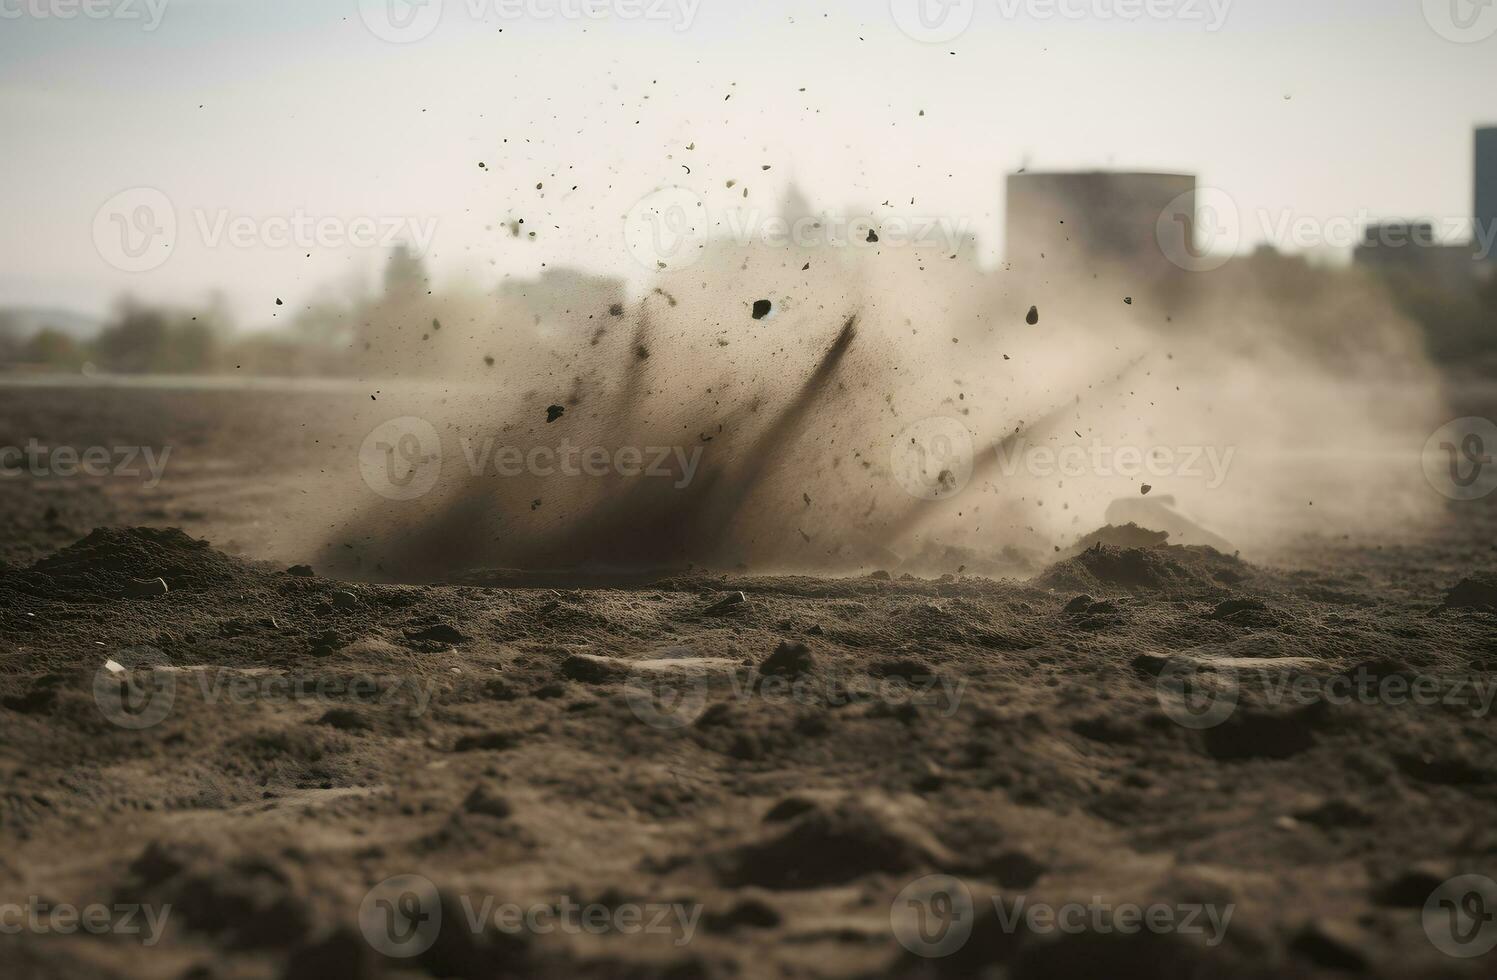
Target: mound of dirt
1477, 592
119, 562
1164, 568
1120, 536
827, 844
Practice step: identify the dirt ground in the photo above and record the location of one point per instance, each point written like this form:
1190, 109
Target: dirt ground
708, 775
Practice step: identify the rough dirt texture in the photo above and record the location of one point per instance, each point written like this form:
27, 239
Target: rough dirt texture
833, 741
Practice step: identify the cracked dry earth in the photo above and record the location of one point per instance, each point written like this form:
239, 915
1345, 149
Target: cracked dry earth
760, 777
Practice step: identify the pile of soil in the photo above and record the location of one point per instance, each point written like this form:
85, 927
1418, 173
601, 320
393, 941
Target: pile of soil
1479, 591
1128, 535
1168, 568
112, 563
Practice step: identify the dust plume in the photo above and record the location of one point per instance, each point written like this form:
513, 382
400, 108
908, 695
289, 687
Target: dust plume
896, 409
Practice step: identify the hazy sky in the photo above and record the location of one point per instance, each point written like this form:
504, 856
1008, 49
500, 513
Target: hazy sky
247, 111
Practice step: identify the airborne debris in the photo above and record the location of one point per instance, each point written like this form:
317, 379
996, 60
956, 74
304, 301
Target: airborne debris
146, 589
726, 603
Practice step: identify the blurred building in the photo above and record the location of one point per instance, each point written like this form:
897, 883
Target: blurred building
1446, 286
1411, 248
1082, 217
1485, 206
561, 298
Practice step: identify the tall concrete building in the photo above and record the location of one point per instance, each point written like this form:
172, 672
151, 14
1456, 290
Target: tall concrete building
1412, 246
1485, 179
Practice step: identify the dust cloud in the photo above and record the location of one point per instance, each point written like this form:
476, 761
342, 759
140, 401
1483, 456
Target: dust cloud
894, 410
